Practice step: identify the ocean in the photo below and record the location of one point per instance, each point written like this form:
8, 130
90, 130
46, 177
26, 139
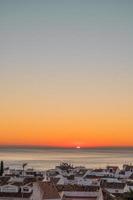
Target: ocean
48, 158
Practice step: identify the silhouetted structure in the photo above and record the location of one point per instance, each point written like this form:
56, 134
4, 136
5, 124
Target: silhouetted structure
1, 168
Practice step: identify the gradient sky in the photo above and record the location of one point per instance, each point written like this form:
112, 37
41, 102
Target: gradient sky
66, 72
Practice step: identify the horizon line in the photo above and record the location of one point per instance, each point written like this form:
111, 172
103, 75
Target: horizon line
62, 147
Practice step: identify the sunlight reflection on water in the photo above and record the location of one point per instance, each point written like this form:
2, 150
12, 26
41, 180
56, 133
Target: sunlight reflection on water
42, 158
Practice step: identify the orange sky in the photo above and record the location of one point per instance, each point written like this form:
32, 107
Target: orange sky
66, 115
59, 125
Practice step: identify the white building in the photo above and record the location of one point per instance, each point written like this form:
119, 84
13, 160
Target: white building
14, 192
82, 195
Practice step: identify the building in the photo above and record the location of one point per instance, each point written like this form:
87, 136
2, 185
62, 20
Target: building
45, 191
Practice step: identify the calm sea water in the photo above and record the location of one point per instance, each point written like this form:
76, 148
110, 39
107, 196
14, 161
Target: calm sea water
46, 158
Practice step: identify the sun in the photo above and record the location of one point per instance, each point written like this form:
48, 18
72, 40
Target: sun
77, 147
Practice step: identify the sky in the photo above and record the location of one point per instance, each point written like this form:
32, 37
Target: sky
66, 73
